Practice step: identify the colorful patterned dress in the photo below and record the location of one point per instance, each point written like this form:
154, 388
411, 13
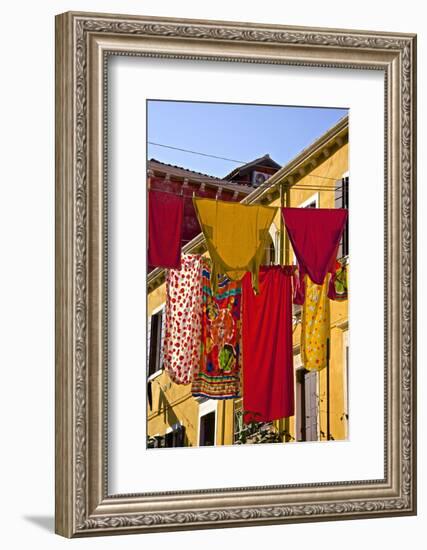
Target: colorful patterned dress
181, 347
218, 376
315, 324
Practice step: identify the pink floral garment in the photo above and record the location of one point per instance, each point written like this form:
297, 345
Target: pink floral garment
181, 347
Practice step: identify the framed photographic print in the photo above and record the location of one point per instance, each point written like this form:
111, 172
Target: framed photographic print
235, 274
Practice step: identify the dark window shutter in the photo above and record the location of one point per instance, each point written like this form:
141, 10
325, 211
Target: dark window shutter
150, 394
311, 405
155, 341
148, 344
346, 205
300, 394
169, 439
176, 437
341, 201
159, 441
162, 337
179, 437
154, 344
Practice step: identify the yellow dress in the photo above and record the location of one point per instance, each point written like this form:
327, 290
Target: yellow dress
236, 236
315, 324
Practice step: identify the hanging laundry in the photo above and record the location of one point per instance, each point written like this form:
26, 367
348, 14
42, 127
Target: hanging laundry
315, 325
268, 375
165, 216
218, 376
236, 236
183, 318
315, 234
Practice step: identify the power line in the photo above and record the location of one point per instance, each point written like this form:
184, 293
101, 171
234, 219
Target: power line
196, 152
229, 160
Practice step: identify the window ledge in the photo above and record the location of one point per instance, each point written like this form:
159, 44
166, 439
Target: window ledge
154, 375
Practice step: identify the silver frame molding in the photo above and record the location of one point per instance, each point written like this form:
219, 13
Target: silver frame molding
83, 43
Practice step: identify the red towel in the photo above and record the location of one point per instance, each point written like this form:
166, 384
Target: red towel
165, 215
315, 234
268, 377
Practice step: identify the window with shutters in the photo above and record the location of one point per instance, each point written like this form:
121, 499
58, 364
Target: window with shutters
174, 437
345, 413
311, 398
307, 403
155, 337
342, 201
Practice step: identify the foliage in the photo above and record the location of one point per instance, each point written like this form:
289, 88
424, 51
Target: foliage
257, 432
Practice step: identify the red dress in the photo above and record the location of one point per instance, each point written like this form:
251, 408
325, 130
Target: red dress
268, 377
315, 234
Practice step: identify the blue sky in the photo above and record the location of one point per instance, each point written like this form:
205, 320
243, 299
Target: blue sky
239, 132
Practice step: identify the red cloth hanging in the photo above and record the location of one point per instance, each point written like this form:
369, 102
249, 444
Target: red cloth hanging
268, 377
165, 217
315, 234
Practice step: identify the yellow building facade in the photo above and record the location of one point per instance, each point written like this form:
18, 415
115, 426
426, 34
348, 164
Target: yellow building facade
317, 177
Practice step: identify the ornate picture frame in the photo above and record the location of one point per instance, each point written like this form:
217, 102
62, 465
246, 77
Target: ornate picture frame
84, 42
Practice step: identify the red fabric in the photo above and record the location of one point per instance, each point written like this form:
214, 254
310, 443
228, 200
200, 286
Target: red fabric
268, 377
165, 215
191, 226
315, 234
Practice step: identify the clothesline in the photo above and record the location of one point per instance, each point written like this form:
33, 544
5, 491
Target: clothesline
245, 182
300, 187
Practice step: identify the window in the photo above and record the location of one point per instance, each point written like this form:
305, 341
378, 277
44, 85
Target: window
155, 336
174, 437
207, 430
342, 201
307, 403
207, 421
269, 257
311, 202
